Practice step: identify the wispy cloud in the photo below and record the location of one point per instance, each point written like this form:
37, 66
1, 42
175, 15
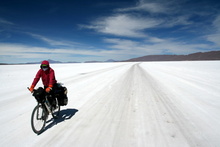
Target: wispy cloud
216, 23
135, 22
116, 48
24, 52
149, 7
53, 42
145, 16
5, 22
15, 49
215, 36
153, 46
5, 26
123, 25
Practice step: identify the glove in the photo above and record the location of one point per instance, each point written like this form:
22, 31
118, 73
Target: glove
31, 89
48, 89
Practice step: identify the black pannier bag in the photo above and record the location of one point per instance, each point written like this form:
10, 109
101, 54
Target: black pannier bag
61, 94
39, 94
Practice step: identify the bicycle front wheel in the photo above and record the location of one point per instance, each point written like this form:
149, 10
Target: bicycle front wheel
38, 119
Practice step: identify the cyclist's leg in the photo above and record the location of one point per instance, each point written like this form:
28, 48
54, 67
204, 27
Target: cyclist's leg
54, 93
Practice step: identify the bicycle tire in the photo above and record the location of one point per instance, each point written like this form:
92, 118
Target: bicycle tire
56, 111
38, 119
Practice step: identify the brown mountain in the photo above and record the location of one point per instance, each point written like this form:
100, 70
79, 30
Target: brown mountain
212, 55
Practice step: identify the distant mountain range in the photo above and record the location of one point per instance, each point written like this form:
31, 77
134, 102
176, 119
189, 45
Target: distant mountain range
110, 60
212, 55
53, 61
39, 62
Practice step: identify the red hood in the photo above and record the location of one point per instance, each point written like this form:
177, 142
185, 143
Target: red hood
45, 62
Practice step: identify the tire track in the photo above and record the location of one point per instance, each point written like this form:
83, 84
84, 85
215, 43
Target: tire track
88, 75
174, 115
140, 113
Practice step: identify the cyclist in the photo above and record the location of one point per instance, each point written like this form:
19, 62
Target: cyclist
47, 75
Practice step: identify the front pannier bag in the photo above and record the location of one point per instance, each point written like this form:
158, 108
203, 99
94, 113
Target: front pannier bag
39, 94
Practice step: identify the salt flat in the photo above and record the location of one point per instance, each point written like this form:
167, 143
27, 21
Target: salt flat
166, 104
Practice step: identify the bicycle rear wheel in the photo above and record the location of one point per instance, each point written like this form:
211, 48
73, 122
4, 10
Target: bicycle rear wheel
38, 119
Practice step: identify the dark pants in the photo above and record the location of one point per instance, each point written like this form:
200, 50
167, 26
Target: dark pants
52, 93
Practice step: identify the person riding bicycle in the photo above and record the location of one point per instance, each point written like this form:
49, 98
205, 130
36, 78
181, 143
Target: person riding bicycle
47, 75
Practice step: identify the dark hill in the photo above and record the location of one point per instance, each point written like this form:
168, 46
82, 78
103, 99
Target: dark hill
212, 55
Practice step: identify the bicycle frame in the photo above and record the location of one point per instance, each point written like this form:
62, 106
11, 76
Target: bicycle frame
47, 105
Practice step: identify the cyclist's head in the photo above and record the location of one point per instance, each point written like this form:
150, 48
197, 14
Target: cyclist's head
45, 65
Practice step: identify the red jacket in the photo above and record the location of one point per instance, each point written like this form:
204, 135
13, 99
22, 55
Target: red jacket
48, 77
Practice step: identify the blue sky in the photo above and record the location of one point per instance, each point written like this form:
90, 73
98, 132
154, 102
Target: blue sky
85, 30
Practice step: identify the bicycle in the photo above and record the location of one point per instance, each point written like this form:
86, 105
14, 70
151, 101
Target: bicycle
46, 104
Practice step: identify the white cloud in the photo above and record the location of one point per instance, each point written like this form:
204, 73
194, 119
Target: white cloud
150, 7
5, 22
135, 22
216, 23
18, 49
178, 20
119, 49
51, 41
124, 45
215, 37
16, 52
153, 46
155, 40
124, 25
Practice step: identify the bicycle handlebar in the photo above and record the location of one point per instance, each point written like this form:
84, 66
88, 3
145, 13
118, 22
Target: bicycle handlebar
32, 91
